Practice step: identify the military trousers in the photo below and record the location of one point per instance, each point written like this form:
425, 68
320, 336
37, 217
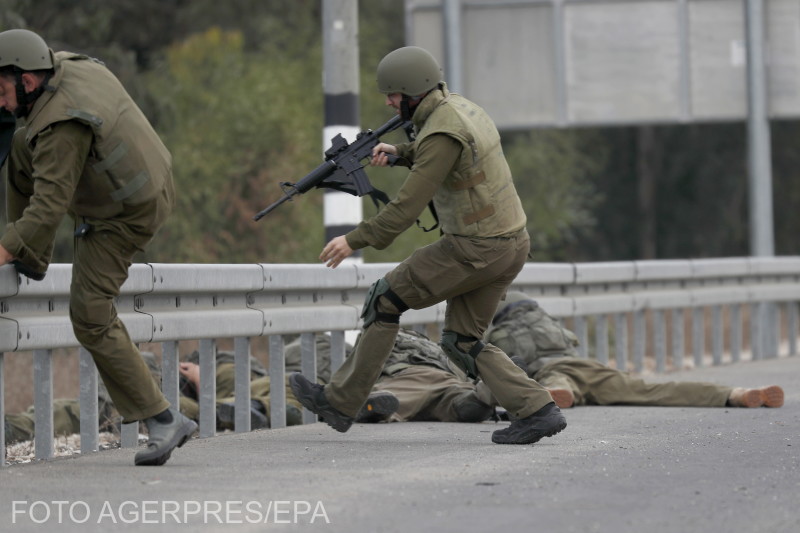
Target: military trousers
472, 276
427, 393
100, 267
226, 392
593, 383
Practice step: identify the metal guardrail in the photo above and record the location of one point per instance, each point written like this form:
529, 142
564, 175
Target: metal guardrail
167, 303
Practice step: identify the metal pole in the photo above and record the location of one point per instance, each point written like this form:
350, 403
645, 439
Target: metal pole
452, 33
342, 211
758, 134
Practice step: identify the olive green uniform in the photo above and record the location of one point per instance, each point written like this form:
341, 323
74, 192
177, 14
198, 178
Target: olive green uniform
259, 380
456, 161
67, 412
429, 386
88, 151
524, 329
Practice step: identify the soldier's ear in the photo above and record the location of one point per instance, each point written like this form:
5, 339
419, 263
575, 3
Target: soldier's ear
31, 81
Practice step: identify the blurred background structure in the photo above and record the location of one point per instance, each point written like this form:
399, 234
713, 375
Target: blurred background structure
634, 128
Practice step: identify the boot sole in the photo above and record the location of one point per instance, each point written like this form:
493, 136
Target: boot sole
180, 439
536, 437
378, 408
305, 396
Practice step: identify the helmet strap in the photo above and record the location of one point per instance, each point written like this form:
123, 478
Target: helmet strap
405, 108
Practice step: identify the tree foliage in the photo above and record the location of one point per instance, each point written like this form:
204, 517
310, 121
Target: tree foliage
235, 90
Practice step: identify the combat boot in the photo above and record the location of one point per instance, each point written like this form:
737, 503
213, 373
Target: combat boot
378, 407
771, 396
563, 397
226, 416
545, 422
312, 396
164, 437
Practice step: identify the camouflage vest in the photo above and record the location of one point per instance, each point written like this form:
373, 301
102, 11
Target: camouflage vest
128, 164
524, 329
478, 198
412, 348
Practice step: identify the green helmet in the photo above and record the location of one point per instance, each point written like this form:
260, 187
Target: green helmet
25, 50
513, 297
411, 70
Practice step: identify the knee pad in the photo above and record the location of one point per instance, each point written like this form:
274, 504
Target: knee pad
370, 311
463, 360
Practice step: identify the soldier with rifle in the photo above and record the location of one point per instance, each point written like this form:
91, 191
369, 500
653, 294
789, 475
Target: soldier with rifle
456, 163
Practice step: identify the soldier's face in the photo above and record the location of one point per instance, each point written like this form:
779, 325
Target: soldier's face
393, 100
8, 93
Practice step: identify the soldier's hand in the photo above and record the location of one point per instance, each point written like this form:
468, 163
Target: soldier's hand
336, 251
380, 153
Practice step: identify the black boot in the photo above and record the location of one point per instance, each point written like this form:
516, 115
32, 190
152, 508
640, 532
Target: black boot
378, 407
545, 422
312, 396
226, 416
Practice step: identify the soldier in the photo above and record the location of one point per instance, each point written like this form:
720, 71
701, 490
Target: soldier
548, 353
428, 386
85, 149
417, 383
456, 163
67, 412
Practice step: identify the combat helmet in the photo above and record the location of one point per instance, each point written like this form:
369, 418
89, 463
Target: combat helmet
512, 297
24, 50
410, 70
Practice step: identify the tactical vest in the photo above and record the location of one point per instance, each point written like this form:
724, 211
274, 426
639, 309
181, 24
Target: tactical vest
478, 198
527, 331
128, 164
412, 348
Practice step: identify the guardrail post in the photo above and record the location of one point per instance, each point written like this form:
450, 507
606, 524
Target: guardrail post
601, 338
735, 325
660, 340
772, 329
716, 334
791, 328
170, 372
621, 340
241, 353
308, 365
208, 388
678, 338
756, 341
277, 382
43, 403
639, 339
698, 336
90, 436
337, 350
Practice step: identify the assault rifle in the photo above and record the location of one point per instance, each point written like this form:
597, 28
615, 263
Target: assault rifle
342, 169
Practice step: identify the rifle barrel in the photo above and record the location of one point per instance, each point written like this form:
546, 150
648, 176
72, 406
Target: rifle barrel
272, 206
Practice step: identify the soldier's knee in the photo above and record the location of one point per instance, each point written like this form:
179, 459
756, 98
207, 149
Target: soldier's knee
464, 358
382, 304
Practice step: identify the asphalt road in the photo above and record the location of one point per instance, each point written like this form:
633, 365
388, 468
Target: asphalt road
614, 469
